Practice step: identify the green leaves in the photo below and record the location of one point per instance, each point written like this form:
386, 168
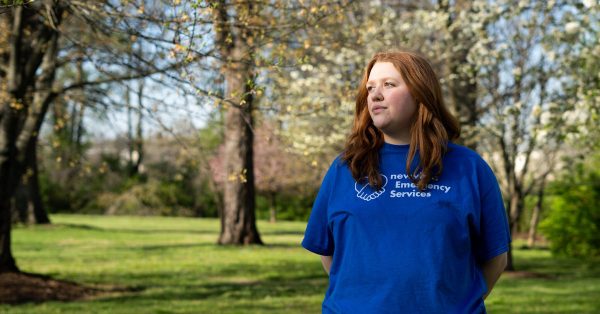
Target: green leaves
573, 223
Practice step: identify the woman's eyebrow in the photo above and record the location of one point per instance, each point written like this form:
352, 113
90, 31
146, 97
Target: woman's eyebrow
383, 79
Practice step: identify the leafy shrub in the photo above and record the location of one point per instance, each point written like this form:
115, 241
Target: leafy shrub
152, 198
71, 195
573, 222
288, 206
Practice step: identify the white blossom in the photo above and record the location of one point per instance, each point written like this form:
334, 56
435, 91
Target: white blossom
517, 71
536, 111
589, 3
545, 118
572, 27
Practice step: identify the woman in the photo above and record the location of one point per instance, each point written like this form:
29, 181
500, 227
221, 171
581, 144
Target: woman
405, 220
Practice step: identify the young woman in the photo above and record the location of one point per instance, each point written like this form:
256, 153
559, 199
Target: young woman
405, 220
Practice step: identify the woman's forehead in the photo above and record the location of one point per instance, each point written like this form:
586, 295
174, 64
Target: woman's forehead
382, 70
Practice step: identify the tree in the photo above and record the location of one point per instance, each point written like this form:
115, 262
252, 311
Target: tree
528, 117
501, 66
253, 39
28, 66
238, 222
571, 224
277, 169
30, 63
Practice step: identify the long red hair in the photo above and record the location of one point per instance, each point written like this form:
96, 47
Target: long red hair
431, 129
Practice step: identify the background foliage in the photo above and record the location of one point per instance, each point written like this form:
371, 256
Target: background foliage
573, 222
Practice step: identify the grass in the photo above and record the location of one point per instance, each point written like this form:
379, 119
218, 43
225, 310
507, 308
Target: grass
173, 266
561, 285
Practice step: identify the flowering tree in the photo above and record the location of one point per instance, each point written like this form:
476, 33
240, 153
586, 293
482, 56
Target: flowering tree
251, 40
277, 169
526, 86
520, 77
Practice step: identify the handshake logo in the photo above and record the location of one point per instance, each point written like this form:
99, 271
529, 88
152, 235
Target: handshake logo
366, 192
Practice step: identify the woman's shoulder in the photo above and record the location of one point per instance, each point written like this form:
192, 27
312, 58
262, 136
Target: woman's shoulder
337, 164
460, 152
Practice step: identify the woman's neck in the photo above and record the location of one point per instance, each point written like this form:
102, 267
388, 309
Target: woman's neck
397, 140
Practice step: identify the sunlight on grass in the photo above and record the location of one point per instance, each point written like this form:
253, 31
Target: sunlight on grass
172, 265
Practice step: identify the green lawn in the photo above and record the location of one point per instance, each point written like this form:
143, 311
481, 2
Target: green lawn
174, 267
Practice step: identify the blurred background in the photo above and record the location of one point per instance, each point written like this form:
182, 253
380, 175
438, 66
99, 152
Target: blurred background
163, 156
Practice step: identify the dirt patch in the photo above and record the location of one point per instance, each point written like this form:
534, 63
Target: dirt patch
24, 287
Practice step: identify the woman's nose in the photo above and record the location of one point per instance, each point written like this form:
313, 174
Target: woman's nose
376, 95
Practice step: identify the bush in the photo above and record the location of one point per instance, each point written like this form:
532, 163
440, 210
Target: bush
152, 198
295, 207
206, 202
573, 222
71, 195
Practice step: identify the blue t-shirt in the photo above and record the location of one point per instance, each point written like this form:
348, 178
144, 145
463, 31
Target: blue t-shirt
401, 250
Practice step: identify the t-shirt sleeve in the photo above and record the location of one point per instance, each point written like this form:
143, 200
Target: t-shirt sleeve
494, 233
317, 237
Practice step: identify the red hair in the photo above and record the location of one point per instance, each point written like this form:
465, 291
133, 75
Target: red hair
431, 128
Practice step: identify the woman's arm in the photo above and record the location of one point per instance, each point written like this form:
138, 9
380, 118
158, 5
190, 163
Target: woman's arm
492, 270
326, 261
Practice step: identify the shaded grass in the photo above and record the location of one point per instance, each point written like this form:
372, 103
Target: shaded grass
174, 266
558, 285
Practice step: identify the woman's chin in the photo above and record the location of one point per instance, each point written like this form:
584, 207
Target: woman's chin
381, 125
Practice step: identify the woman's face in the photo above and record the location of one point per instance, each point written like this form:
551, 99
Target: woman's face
390, 103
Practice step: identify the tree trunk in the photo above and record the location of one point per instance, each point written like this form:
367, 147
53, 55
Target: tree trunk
509, 259
28, 207
19, 125
38, 211
130, 136
79, 130
272, 207
79, 107
135, 140
515, 209
239, 196
139, 141
238, 219
7, 262
10, 117
19, 203
9, 179
535, 215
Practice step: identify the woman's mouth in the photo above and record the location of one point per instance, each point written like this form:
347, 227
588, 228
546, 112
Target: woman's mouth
377, 109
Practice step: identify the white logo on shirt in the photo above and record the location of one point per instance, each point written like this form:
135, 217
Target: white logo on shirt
366, 192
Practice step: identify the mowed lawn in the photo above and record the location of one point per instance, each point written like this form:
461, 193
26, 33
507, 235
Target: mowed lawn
172, 265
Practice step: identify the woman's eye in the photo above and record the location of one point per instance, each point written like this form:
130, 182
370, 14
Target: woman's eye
369, 88
389, 84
